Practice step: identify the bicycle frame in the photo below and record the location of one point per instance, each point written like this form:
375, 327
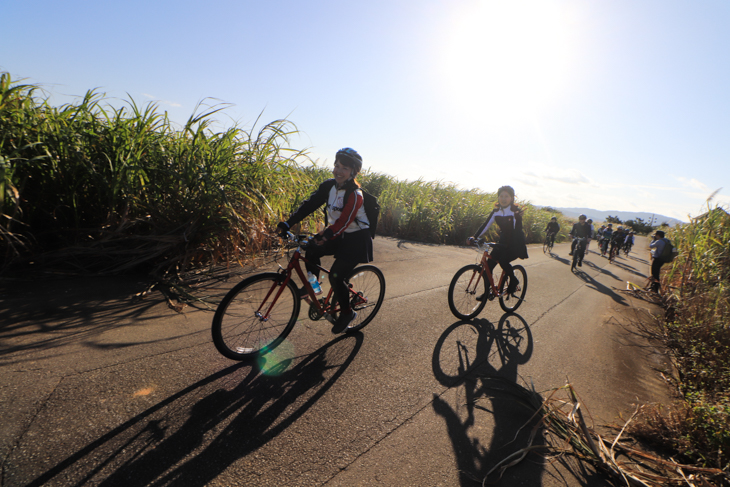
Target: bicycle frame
295, 266
486, 257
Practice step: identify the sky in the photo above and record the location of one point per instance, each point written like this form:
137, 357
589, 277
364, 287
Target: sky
613, 105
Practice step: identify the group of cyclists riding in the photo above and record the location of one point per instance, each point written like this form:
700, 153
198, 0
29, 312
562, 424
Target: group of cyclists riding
609, 241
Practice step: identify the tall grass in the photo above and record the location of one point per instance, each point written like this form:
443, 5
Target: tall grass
110, 189
437, 212
95, 187
697, 332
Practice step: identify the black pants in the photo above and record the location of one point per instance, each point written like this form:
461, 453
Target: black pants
339, 271
656, 268
504, 257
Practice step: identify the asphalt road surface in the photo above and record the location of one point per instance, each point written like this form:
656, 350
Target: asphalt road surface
100, 389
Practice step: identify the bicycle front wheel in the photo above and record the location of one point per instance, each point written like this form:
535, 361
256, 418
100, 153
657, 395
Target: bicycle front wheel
247, 325
510, 302
546, 246
367, 289
466, 286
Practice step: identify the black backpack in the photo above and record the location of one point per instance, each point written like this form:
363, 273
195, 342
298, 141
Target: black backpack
668, 252
371, 206
372, 210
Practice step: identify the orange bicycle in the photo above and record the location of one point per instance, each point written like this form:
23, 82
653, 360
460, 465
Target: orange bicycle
473, 285
260, 311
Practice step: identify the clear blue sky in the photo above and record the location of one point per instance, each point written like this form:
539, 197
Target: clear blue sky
613, 105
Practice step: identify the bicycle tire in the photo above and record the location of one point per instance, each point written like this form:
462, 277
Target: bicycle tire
546, 246
239, 333
463, 292
510, 302
366, 282
575, 261
612, 254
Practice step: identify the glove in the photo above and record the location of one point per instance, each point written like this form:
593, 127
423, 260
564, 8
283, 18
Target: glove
283, 227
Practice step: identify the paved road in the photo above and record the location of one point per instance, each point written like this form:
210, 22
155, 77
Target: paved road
96, 389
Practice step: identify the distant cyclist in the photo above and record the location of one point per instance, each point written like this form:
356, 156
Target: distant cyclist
606, 238
629, 242
580, 230
508, 218
348, 235
552, 229
617, 240
591, 235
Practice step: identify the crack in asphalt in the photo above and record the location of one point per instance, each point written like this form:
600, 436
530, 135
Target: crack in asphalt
16, 443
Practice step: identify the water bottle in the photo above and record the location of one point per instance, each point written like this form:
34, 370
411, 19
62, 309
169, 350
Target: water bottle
314, 282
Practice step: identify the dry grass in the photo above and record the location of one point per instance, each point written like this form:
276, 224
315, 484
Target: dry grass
561, 420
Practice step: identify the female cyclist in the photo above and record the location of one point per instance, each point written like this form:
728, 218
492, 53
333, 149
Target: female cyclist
508, 218
348, 235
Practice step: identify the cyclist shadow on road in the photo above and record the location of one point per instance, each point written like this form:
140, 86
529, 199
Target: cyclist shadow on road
600, 287
471, 354
192, 436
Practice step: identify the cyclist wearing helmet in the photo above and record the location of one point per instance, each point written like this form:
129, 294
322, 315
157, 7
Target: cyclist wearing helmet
579, 230
552, 228
606, 238
348, 235
591, 234
508, 218
617, 240
629, 241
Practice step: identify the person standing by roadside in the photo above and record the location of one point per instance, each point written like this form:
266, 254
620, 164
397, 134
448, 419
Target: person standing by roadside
657, 249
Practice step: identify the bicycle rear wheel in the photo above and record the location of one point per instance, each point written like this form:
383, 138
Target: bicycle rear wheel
367, 289
466, 285
240, 330
510, 302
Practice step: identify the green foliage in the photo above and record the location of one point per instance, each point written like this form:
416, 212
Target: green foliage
698, 335
639, 226
109, 189
613, 219
91, 176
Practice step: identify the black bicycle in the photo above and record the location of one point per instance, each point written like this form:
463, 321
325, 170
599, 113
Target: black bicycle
547, 247
579, 252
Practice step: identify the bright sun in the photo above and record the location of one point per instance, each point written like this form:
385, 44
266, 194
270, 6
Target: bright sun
503, 59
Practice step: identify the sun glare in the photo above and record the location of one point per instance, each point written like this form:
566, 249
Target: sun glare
503, 59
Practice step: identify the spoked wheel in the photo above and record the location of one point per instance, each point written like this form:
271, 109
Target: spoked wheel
612, 254
367, 289
246, 325
510, 302
464, 289
546, 246
575, 261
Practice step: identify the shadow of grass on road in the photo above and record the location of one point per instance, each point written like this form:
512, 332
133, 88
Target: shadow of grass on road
191, 437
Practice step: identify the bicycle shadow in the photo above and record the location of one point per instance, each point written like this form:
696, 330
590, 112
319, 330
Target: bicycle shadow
468, 354
192, 436
592, 283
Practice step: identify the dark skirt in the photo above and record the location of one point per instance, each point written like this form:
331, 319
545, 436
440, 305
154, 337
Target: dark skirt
355, 248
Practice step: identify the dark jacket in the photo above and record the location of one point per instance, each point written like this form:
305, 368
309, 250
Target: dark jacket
509, 221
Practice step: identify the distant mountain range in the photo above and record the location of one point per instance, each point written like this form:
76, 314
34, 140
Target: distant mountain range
601, 215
